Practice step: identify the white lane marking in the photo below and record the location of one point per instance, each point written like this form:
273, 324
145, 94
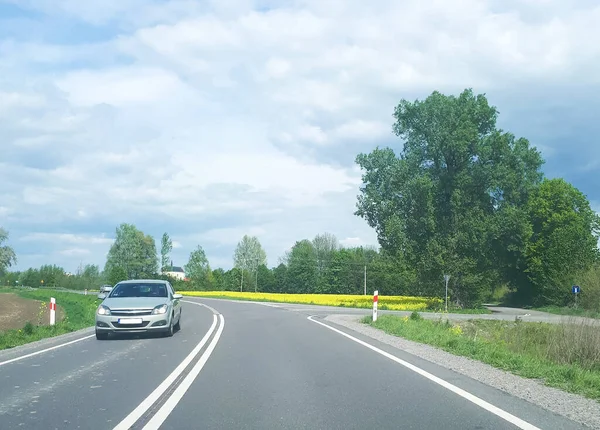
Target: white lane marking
12, 360
147, 403
161, 415
465, 394
202, 304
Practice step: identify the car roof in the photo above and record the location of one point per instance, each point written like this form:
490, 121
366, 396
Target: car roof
146, 281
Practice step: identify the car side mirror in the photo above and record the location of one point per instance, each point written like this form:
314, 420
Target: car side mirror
102, 296
177, 296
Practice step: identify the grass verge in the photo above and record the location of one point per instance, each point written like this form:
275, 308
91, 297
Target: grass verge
565, 356
79, 313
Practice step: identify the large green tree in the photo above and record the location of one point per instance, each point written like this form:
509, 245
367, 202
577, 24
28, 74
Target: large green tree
7, 254
302, 272
440, 204
134, 252
564, 242
248, 256
198, 270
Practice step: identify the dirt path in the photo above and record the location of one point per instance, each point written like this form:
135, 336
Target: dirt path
15, 311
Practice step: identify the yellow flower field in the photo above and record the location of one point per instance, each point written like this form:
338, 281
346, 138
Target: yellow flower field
396, 303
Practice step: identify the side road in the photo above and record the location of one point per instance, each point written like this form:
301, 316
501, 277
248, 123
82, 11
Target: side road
498, 312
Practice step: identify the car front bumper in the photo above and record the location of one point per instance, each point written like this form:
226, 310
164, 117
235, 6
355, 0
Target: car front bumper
120, 324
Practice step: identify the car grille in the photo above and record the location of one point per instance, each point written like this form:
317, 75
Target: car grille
131, 312
143, 324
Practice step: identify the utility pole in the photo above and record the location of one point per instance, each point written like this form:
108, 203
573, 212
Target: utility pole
365, 279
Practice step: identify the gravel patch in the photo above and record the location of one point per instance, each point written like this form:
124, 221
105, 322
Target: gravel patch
586, 412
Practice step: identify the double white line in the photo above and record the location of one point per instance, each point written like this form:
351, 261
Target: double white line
161, 415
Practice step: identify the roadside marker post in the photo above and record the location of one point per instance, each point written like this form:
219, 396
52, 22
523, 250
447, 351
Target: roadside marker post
446, 279
52, 310
85, 292
576, 290
375, 300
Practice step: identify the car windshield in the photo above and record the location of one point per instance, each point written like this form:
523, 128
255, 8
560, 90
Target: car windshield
139, 290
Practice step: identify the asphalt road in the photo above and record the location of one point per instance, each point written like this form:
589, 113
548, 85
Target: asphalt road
257, 367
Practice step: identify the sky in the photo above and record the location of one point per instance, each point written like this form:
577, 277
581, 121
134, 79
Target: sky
214, 119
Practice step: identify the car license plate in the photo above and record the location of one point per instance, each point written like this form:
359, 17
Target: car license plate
130, 320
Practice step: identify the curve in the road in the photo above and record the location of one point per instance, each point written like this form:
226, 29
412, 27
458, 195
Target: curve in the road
272, 368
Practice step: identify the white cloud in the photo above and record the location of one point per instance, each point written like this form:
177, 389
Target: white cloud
67, 238
229, 236
75, 252
351, 242
363, 130
121, 86
217, 110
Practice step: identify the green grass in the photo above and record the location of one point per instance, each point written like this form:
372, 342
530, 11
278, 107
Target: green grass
565, 356
79, 313
474, 311
579, 312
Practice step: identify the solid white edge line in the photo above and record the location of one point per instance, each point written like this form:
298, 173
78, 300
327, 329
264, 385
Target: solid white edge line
147, 403
163, 413
22, 357
465, 394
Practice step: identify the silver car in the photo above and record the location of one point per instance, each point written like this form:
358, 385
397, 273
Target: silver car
136, 306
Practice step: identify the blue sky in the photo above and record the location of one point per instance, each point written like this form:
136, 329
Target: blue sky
211, 120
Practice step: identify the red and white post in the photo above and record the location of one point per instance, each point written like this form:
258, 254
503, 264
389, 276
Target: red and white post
52, 310
375, 300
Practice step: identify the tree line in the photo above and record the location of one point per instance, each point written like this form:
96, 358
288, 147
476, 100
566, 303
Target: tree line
460, 197
465, 198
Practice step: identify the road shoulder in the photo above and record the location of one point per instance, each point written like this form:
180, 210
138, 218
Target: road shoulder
571, 406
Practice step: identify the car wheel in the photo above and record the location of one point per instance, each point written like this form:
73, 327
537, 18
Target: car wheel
171, 329
178, 325
101, 336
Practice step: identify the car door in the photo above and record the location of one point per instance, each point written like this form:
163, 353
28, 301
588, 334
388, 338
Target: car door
176, 302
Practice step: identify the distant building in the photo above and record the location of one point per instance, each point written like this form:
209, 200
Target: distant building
174, 272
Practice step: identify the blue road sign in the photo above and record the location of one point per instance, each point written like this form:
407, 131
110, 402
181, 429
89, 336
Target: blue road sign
575, 289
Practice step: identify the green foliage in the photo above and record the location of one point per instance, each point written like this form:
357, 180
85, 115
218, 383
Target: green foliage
415, 316
7, 254
133, 251
198, 270
467, 199
116, 274
166, 246
563, 244
302, 273
248, 256
55, 277
28, 328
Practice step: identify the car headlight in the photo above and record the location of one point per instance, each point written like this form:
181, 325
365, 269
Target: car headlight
161, 309
103, 310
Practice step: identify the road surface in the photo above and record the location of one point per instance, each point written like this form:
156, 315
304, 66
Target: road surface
238, 365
